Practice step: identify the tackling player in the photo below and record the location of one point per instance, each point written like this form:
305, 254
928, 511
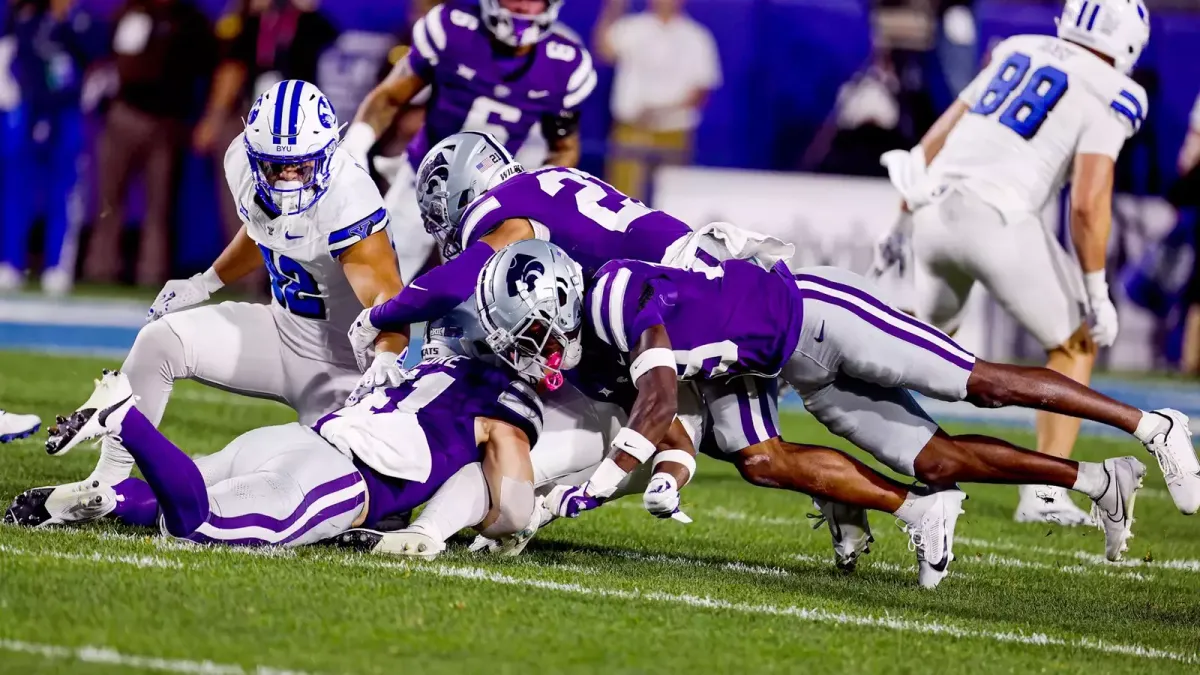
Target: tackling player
852, 358
498, 68
317, 222
1046, 110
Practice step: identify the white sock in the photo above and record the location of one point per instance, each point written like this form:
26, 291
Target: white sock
1092, 480
1151, 425
460, 503
115, 465
912, 509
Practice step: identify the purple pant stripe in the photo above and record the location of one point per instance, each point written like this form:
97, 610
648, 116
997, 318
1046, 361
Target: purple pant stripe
321, 516
932, 332
765, 394
916, 340
744, 411
277, 525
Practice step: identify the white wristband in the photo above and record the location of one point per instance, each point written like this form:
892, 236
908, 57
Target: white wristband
658, 357
633, 443
1096, 284
211, 281
679, 457
358, 140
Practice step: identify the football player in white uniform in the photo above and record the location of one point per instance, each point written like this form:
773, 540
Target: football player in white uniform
316, 220
1044, 111
15, 426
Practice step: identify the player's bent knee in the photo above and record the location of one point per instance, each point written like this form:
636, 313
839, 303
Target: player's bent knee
515, 510
939, 462
756, 462
156, 349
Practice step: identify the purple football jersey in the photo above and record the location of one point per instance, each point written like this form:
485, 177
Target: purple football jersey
479, 87
586, 217
744, 322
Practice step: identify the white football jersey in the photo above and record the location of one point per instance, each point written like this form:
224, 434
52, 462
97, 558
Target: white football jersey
1040, 102
313, 302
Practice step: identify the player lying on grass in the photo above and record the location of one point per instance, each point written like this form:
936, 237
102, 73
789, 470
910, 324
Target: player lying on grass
455, 422
317, 222
1047, 110
852, 358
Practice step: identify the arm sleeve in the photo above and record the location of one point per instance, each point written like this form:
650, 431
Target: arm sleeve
708, 67
342, 239
520, 406
429, 43
435, 293
1103, 135
624, 304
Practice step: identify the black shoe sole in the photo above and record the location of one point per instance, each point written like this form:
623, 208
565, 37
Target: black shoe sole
358, 539
29, 508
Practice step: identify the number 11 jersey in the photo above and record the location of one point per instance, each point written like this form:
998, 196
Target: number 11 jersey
1040, 102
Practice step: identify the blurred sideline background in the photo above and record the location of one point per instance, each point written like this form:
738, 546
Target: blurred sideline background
811, 93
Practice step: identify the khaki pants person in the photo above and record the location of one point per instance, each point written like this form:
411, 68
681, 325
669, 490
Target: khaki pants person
135, 142
635, 152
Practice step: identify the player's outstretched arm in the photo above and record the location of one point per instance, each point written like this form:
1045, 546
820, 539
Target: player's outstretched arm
239, 258
1091, 225
370, 267
441, 289
508, 469
379, 109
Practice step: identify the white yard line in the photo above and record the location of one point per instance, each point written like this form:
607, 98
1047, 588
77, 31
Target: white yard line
1178, 565
811, 615
134, 560
112, 657
696, 562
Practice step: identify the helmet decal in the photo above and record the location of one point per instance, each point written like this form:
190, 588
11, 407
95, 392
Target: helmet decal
524, 270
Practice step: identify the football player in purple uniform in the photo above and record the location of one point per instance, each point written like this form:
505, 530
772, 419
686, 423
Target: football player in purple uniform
500, 67
853, 359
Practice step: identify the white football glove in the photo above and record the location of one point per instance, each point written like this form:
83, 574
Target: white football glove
385, 371
661, 498
390, 167
909, 175
1105, 326
362, 336
180, 294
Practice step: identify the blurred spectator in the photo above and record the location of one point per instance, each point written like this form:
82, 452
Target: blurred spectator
957, 44
48, 46
263, 42
164, 53
868, 115
666, 66
1185, 194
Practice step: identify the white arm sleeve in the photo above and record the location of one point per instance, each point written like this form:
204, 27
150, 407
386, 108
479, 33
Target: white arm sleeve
1104, 134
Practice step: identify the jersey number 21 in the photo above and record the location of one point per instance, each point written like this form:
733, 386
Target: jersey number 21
1028, 109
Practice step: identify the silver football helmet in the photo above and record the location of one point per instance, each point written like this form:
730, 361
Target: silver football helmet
453, 174
517, 29
530, 302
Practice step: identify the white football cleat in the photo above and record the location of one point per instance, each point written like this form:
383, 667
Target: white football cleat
15, 427
512, 545
1049, 504
932, 537
101, 415
1177, 459
849, 529
62, 504
1113, 511
409, 542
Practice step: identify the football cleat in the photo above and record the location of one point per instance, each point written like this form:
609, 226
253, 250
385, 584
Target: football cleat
932, 537
62, 504
1049, 504
409, 543
512, 545
95, 418
15, 427
849, 529
1113, 511
1177, 459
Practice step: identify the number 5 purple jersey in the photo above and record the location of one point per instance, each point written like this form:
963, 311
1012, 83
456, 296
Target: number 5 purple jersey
586, 217
477, 86
743, 321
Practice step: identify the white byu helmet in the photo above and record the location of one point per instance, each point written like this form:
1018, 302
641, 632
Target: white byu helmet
1118, 29
291, 135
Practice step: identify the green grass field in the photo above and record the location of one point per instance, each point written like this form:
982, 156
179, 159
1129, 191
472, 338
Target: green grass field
747, 588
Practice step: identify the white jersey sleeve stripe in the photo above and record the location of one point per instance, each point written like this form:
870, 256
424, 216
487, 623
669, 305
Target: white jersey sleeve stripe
616, 309
433, 25
579, 95
581, 72
421, 42
597, 313
340, 240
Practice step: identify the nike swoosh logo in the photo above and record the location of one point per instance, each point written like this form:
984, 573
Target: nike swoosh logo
821, 335
419, 288
1120, 503
290, 237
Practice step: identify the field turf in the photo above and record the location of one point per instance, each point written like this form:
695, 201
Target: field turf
747, 588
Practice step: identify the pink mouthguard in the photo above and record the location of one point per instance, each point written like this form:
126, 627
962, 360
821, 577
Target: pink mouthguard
554, 379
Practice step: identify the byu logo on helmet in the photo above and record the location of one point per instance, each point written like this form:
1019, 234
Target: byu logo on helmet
524, 269
325, 113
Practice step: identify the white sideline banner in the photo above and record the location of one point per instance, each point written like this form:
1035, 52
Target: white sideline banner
837, 220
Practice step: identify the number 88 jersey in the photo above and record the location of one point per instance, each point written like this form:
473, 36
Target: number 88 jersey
1040, 102
313, 302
